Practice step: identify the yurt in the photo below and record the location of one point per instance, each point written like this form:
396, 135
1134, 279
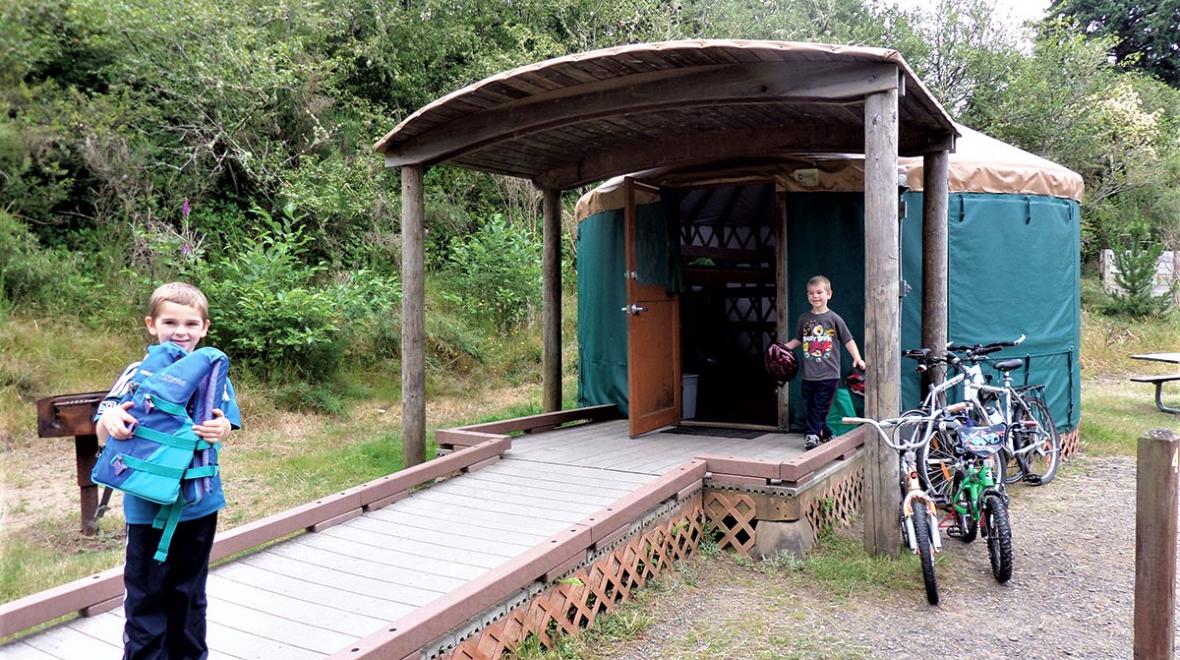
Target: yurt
721, 236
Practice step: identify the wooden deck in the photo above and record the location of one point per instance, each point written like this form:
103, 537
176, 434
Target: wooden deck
318, 593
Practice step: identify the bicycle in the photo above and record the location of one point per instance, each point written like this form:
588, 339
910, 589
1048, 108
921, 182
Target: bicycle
937, 455
979, 499
1032, 448
916, 513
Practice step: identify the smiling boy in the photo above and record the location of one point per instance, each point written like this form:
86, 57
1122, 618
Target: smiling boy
165, 601
821, 332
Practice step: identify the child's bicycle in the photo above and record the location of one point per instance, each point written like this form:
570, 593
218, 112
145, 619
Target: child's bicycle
979, 501
938, 455
916, 515
1032, 450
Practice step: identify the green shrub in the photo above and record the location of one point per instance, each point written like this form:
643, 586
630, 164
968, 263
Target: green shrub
1136, 256
496, 273
36, 277
270, 310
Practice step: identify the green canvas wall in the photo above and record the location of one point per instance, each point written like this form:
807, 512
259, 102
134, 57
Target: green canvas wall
1008, 254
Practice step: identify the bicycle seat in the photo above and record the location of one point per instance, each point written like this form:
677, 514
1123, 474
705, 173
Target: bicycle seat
1009, 365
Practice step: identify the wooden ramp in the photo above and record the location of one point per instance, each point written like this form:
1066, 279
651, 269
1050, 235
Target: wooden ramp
317, 593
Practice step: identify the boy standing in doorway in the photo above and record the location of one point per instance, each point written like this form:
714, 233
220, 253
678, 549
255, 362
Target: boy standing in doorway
821, 332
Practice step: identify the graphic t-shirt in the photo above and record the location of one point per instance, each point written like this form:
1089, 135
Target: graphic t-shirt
822, 335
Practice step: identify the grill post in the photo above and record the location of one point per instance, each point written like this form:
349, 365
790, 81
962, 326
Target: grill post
72, 414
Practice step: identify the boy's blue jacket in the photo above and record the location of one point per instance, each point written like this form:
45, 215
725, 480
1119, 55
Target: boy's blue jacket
164, 462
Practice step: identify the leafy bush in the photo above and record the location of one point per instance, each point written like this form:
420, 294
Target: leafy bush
269, 311
1136, 256
496, 273
32, 276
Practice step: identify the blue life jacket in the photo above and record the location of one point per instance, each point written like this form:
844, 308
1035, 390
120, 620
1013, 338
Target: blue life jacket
163, 457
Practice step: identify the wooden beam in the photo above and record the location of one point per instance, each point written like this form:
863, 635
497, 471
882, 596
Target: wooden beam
934, 255
413, 318
782, 328
882, 353
551, 299
690, 87
680, 150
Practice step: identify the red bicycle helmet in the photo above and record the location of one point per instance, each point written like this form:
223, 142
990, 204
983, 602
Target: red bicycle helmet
781, 363
856, 382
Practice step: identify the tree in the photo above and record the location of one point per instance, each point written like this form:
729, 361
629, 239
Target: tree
1146, 32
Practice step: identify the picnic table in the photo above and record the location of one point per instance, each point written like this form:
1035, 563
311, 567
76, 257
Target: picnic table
1158, 381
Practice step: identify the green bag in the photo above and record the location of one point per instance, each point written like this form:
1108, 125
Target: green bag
841, 408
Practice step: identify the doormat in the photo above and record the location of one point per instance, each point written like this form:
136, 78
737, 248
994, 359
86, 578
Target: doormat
741, 434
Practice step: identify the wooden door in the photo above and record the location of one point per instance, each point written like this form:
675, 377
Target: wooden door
653, 341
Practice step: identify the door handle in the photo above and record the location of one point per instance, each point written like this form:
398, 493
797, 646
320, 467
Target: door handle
634, 309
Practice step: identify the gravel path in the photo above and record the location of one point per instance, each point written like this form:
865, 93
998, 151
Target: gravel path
1071, 594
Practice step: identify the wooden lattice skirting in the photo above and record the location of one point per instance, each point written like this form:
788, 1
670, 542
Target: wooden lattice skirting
574, 602
832, 500
1071, 445
837, 502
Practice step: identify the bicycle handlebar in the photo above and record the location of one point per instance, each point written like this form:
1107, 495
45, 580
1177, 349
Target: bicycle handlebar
881, 425
984, 349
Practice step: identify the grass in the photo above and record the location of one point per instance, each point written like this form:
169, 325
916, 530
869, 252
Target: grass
40, 357
298, 442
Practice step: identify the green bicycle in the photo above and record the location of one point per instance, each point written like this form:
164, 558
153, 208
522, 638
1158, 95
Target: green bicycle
979, 500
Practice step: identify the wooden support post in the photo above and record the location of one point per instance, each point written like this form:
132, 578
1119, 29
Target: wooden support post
1158, 475
882, 353
934, 256
551, 300
85, 455
413, 318
782, 328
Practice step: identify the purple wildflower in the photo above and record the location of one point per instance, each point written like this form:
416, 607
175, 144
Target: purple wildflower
184, 209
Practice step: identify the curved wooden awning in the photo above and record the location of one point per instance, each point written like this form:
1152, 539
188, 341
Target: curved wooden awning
580, 118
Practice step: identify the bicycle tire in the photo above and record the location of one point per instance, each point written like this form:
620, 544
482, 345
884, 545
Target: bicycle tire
921, 520
968, 524
998, 529
936, 474
1039, 466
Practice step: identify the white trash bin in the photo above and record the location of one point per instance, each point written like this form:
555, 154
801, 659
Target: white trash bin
688, 395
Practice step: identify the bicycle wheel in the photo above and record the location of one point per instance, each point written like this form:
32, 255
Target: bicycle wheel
968, 524
921, 520
1039, 464
999, 536
937, 468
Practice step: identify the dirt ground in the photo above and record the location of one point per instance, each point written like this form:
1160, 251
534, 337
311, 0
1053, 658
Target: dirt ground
1071, 594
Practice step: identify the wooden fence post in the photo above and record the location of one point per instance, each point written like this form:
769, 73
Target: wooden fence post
1158, 473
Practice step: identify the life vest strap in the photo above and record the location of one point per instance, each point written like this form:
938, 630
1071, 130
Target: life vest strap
167, 520
151, 468
203, 471
176, 410
183, 439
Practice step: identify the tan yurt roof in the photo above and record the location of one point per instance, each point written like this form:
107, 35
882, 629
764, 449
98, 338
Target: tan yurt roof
979, 164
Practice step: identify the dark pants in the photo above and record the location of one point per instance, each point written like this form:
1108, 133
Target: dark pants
817, 401
165, 603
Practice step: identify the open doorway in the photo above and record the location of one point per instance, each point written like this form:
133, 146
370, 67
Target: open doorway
728, 305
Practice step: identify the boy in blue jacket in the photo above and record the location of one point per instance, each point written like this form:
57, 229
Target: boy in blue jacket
165, 601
